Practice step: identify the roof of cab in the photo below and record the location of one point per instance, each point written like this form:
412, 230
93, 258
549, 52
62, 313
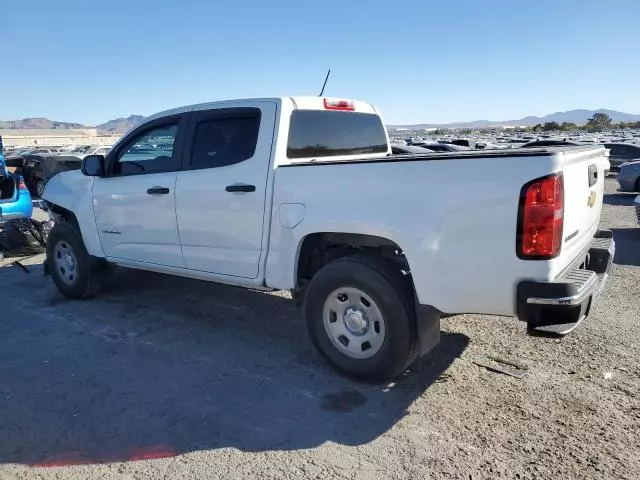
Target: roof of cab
298, 103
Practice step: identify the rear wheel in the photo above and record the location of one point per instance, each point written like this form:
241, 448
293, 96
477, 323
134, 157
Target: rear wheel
72, 269
638, 185
360, 315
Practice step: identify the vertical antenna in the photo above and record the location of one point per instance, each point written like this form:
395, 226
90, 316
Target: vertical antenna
325, 82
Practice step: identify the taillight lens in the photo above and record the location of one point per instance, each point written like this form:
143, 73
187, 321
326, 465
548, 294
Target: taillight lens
21, 184
541, 218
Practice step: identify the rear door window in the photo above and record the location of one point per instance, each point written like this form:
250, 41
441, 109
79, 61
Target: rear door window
319, 133
224, 140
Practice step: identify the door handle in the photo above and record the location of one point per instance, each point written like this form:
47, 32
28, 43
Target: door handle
240, 188
157, 190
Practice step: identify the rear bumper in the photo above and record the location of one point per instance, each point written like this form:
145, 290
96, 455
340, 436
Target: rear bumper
560, 306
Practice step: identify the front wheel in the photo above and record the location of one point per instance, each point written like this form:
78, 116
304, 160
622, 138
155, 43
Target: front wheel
72, 269
360, 315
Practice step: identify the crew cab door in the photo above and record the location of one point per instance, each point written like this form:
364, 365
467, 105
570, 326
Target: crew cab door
134, 204
221, 194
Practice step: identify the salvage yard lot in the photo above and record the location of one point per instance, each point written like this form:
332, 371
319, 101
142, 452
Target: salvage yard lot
162, 376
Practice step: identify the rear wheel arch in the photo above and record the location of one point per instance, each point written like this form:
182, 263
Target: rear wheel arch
320, 248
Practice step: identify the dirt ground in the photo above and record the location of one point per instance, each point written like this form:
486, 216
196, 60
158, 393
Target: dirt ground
164, 377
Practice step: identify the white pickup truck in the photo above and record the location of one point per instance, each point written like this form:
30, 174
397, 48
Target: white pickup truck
303, 193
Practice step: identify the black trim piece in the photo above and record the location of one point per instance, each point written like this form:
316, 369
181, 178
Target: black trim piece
158, 191
240, 188
473, 154
521, 202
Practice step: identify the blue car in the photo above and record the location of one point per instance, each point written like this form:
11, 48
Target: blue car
15, 199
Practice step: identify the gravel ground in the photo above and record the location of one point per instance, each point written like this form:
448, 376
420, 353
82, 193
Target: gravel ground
165, 377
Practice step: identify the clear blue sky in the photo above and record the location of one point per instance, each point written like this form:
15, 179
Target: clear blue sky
417, 60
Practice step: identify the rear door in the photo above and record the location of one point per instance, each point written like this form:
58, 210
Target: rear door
221, 194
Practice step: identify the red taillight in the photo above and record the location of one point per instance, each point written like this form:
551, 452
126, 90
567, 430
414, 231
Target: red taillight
541, 218
21, 184
346, 105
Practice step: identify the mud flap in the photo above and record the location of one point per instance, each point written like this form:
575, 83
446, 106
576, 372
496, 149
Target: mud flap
428, 328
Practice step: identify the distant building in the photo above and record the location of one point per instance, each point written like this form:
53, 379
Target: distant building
54, 137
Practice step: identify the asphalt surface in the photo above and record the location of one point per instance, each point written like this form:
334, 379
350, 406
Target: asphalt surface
164, 377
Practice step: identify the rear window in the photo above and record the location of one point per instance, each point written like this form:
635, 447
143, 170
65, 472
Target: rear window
319, 133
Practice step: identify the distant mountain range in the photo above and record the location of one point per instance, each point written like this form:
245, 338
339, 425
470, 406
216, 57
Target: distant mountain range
38, 124
573, 116
112, 127
121, 125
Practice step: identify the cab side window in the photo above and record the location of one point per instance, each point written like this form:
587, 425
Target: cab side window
151, 151
226, 140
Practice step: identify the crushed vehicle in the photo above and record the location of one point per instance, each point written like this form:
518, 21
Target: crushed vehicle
15, 199
303, 193
39, 169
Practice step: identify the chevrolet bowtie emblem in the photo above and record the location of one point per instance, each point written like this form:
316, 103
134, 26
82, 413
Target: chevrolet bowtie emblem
591, 201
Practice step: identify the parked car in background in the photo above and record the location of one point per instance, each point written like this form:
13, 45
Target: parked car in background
441, 147
629, 176
15, 199
548, 143
303, 194
32, 171
100, 150
39, 169
461, 142
620, 153
397, 149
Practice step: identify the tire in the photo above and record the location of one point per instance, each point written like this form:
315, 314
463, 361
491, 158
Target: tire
336, 325
39, 188
72, 269
638, 185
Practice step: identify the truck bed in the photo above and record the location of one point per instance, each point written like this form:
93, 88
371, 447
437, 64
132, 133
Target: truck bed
454, 215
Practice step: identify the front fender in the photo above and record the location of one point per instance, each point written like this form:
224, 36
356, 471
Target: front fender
73, 191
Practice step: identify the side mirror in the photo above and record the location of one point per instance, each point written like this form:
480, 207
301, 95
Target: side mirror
93, 165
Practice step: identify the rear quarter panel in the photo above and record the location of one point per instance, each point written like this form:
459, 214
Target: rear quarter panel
455, 220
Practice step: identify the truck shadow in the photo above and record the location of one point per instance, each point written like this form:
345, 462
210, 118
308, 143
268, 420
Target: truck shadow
160, 366
627, 246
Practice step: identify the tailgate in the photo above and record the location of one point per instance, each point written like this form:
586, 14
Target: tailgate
584, 173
